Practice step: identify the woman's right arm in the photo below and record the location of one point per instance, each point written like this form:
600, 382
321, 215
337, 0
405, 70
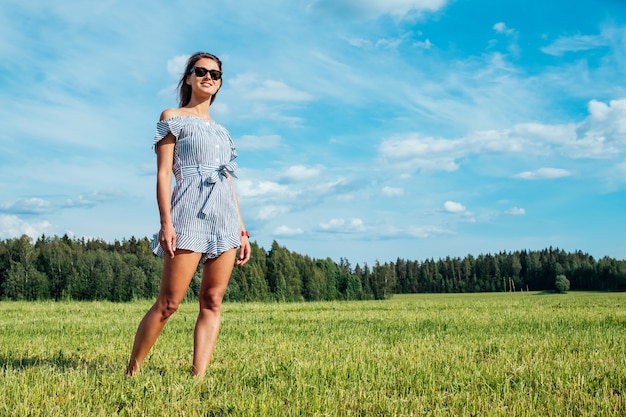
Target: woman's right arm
165, 160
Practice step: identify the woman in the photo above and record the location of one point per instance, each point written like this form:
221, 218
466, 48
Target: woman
200, 220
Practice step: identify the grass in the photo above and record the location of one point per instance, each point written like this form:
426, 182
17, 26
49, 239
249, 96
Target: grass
520, 354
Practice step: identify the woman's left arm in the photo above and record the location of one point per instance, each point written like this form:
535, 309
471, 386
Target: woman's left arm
244, 248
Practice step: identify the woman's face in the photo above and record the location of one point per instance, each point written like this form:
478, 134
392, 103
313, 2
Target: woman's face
205, 84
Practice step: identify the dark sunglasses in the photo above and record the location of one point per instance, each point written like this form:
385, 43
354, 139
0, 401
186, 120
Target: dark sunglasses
201, 72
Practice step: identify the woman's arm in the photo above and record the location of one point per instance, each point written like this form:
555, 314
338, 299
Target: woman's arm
244, 249
165, 160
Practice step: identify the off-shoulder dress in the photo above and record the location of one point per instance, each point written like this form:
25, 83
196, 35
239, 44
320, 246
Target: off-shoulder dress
203, 207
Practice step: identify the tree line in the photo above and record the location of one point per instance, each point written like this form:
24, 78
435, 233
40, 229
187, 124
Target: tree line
63, 268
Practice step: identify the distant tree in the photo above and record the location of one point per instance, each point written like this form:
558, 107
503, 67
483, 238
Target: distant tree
561, 284
283, 276
383, 281
61, 268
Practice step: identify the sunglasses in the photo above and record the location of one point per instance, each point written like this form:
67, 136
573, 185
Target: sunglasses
201, 72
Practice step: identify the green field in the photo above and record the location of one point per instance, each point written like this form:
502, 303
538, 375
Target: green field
523, 354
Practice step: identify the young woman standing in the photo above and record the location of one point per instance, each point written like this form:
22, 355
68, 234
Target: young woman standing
200, 220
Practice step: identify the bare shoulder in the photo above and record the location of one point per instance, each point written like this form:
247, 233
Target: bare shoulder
169, 113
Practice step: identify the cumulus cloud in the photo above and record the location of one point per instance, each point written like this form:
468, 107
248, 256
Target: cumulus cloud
500, 27
453, 207
544, 174
343, 225
12, 226
516, 211
392, 191
287, 231
603, 132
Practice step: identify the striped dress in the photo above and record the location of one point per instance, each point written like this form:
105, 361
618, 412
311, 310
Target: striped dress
203, 207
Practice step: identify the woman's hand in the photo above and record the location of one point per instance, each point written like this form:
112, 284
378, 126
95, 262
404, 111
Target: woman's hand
244, 250
167, 239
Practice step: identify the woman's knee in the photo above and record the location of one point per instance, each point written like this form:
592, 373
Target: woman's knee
211, 301
167, 306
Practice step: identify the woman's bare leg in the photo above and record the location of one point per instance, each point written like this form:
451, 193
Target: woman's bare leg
177, 274
215, 277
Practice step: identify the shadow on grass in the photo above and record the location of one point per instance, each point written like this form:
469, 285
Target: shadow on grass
60, 362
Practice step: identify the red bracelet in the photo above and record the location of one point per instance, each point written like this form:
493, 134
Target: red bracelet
245, 233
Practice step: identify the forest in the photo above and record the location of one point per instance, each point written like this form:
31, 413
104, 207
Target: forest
64, 268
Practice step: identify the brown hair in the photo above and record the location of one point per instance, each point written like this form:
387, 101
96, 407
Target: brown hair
184, 89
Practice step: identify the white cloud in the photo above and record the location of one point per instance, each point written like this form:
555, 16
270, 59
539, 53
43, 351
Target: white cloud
544, 173
393, 43
329, 187
602, 134
428, 231
530, 134
12, 226
251, 142
253, 87
500, 27
516, 211
89, 200
415, 152
575, 43
343, 226
287, 231
453, 207
392, 191
416, 146
301, 173
269, 212
176, 65
598, 110
359, 42
427, 44
27, 206
263, 190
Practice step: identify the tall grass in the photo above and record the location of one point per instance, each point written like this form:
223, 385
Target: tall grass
503, 354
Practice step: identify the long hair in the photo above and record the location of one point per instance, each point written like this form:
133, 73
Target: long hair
184, 90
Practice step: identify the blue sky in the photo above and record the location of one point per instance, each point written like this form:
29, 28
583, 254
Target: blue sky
366, 129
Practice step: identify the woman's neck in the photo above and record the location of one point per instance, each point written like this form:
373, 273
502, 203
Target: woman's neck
198, 108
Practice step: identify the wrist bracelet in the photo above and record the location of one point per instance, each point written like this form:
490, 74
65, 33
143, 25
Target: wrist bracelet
245, 233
